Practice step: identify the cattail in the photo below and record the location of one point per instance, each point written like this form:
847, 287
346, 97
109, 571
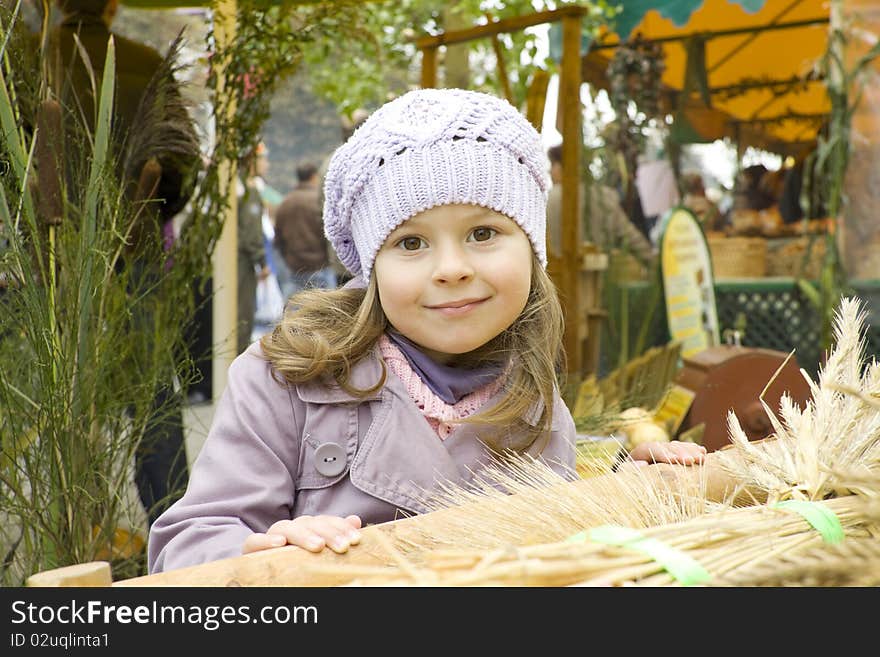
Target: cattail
49, 145
144, 196
148, 182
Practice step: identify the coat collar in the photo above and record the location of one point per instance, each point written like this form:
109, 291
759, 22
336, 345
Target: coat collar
365, 374
368, 372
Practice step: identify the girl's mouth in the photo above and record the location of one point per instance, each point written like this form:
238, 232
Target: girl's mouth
456, 308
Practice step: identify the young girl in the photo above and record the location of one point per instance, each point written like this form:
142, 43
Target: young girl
441, 353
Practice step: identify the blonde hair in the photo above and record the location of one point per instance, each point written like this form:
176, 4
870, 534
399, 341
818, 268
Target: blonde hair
325, 333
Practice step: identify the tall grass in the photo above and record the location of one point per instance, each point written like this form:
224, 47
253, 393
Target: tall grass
90, 330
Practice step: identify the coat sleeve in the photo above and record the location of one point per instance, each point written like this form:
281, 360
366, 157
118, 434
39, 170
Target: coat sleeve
243, 479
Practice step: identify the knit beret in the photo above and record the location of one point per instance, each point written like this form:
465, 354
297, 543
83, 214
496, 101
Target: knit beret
433, 147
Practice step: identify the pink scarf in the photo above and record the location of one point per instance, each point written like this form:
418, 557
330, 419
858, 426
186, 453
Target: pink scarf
441, 416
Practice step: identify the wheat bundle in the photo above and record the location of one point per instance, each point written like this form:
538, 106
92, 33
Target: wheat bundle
825, 455
854, 562
536, 506
710, 549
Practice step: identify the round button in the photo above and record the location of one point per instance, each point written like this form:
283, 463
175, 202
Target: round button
330, 459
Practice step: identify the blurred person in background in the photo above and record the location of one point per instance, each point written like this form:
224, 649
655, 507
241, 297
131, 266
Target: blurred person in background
347, 127
251, 248
269, 301
606, 223
751, 191
696, 201
299, 236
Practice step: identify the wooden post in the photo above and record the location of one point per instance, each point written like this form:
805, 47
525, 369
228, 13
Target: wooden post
429, 67
536, 98
456, 59
572, 143
225, 304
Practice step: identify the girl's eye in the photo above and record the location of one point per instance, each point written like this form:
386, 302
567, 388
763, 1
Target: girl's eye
482, 234
411, 243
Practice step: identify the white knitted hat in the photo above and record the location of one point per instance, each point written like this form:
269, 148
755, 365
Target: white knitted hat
433, 147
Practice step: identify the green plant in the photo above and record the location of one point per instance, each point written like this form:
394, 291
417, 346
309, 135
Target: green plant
828, 164
88, 334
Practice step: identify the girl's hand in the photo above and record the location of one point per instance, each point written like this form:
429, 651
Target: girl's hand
312, 533
668, 452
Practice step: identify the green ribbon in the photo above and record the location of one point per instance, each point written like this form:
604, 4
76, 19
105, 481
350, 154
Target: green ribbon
820, 517
682, 567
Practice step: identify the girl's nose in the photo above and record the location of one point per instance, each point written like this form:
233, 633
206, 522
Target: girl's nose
452, 265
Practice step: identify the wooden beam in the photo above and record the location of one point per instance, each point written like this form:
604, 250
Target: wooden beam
93, 573
748, 85
536, 98
814, 117
513, 24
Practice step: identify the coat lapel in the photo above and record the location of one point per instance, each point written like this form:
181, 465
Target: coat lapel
403, 461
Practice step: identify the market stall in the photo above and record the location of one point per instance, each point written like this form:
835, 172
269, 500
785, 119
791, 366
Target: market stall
795, 238
559, 531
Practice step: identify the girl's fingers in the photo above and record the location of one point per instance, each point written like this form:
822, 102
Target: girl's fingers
632, 464
314, 533
671, 452
338, 533
257, 542
299, 532
687, 453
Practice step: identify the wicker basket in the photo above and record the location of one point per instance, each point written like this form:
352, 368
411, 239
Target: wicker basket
789, 257
738, 257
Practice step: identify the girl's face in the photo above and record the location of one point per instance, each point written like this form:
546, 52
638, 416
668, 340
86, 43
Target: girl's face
453, 277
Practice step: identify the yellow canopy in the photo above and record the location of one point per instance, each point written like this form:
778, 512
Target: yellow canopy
760, 66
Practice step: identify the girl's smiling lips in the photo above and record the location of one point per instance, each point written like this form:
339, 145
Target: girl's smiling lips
459, 307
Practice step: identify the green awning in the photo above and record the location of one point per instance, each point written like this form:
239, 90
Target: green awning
678, 11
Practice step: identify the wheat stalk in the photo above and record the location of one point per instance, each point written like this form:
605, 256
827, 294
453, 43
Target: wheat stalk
837, 430
855, 562
521, 501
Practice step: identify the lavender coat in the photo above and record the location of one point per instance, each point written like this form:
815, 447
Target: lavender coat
258, 463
